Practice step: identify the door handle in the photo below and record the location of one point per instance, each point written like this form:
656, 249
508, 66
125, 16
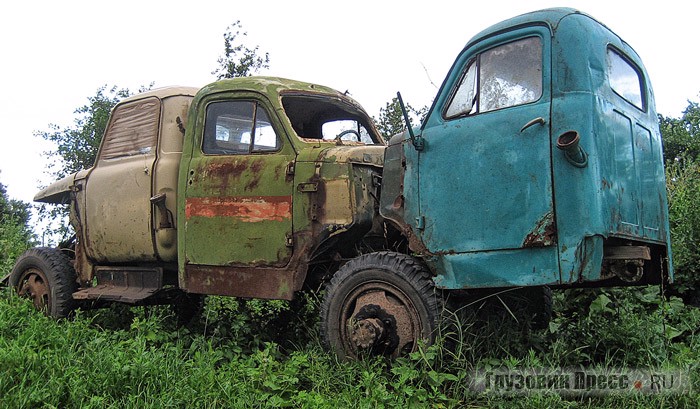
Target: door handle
538, 120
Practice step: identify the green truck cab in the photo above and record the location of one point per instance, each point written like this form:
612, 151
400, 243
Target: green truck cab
539, 165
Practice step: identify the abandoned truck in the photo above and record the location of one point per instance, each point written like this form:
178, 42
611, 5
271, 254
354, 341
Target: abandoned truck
538, 165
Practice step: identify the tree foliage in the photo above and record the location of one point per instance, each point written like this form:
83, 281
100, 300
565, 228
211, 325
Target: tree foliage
681, 136
681, 139
391, 121
15, 234
239, 60
683, 185
77, 145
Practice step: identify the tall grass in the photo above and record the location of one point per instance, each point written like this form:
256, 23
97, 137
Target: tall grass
240, 354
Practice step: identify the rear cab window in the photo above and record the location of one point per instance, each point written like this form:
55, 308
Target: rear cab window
133, 129
625, 79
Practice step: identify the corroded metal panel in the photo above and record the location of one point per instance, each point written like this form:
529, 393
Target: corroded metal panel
243, 282
481, 195
238, 211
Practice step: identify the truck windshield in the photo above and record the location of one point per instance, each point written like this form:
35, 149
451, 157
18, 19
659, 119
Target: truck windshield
317, 117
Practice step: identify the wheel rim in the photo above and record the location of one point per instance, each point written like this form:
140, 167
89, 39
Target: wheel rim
34, 285
378, 318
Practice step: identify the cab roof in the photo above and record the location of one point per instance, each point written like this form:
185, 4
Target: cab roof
549, 17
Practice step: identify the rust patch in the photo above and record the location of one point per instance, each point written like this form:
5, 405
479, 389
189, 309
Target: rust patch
398, 202
269, 283
256, 166
226, 169
256, 169
253, 183
247, 209
224, 173
544, 233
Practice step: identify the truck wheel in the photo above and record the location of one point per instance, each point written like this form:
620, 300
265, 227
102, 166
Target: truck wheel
46, 276
379, 304
541, 307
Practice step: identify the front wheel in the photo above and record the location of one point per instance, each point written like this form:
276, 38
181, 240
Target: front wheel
47, 277
380, 304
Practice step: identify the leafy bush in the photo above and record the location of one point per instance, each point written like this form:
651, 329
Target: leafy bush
15, 234
683, 185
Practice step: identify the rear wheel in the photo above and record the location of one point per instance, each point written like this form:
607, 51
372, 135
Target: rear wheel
47, 277
380, 304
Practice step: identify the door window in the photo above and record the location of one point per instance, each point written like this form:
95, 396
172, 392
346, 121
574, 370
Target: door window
502, 77
238, 127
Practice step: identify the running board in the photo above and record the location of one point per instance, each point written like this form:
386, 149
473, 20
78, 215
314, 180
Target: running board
123, 284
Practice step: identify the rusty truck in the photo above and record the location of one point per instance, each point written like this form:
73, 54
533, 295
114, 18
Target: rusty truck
539, 165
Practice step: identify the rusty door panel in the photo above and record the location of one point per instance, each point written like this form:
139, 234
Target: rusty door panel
238, 211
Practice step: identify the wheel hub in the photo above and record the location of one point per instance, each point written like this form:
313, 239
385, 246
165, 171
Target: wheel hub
34, 286
382, 322
367, 333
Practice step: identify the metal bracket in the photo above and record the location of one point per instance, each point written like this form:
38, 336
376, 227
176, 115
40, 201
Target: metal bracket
308, 187
420, 222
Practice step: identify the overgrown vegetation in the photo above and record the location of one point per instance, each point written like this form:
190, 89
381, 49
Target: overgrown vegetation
15, 234
681, 138
240, 354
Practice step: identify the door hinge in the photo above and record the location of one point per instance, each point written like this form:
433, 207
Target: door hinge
289, 238
290, 169
420, 222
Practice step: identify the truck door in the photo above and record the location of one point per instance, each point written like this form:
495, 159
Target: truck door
117, 208
485, 181
238, 204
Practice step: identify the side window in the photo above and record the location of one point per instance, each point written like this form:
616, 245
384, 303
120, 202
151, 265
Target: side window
464, 100
133, 129
502, 77
625, 79
238, 127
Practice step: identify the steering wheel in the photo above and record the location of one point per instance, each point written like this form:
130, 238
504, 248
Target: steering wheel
348, 131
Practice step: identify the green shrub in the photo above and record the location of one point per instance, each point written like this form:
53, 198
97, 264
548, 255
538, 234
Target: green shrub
683, 185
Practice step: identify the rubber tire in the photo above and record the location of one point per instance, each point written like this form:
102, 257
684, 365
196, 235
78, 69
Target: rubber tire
56, 271
403, 272
543, 304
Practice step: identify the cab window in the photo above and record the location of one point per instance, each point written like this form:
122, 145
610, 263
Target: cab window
625, 79
133, 129
238, 127
502, 77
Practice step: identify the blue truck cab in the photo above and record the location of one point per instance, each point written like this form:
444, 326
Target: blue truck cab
539, 163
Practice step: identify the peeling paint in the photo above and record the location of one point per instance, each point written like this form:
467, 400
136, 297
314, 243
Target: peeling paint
544, 233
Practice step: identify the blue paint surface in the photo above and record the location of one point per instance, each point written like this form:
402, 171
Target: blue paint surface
479, 191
